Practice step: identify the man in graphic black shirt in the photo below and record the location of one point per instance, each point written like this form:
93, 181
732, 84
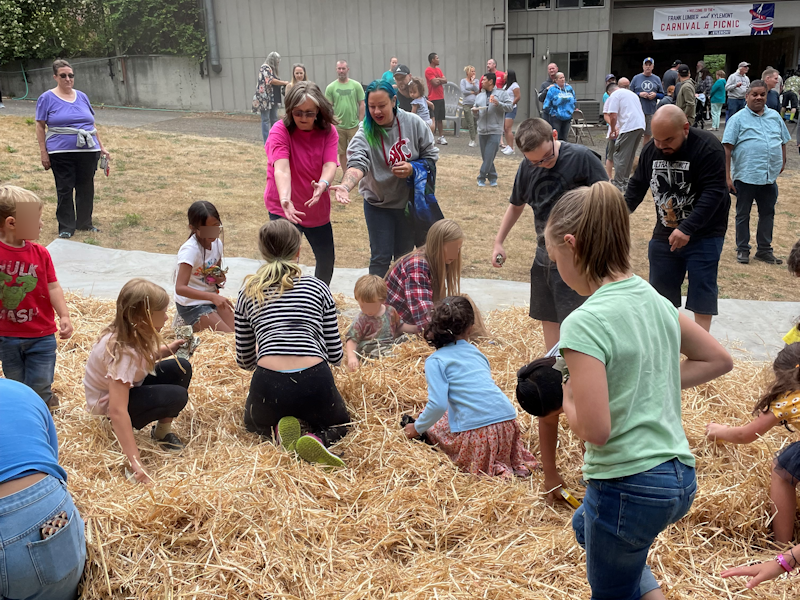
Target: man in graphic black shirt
685, 169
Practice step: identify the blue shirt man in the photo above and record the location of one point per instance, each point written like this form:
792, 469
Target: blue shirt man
755, 141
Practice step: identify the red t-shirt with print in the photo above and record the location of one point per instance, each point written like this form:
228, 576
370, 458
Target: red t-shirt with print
25, 308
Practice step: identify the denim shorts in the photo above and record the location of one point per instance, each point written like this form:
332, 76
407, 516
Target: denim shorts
30, 566
192, 314
619, 520
512, 115
700, 258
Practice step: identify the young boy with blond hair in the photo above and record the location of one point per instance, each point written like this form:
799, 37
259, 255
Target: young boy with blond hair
376, 329
29, 292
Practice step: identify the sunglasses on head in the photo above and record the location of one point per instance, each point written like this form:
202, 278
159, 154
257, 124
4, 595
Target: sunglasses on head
65, 75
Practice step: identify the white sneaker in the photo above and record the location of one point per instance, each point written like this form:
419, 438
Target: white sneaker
2, 105
443, 141
472, 144
507, 150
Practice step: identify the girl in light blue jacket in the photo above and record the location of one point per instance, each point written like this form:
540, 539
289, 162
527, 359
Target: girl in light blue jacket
467, 415
560, 104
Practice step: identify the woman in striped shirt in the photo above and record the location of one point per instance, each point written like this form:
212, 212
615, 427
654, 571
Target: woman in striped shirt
286, 330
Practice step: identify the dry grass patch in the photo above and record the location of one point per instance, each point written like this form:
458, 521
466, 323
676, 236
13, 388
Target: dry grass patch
235, 517
156, 176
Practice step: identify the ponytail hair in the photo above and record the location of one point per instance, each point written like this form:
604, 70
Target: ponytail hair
372, 131
598, 218
787, 377
450, 318
279, 242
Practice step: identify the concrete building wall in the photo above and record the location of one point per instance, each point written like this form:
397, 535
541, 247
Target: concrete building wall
148, 81
561, 31
366, 33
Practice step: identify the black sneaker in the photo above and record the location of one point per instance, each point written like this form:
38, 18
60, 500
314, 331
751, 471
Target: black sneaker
743, 256
770, 258
169, 442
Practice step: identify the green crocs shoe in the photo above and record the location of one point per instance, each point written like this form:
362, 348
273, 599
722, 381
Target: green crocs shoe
310, 448
288, 433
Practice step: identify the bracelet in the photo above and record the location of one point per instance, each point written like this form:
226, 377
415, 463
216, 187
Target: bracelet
326, 182
782, 562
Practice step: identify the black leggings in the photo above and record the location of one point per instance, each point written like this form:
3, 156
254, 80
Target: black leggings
161, 396
321, 241
309, 395
74, 172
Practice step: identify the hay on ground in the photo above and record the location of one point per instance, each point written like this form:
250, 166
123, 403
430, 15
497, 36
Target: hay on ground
235, 517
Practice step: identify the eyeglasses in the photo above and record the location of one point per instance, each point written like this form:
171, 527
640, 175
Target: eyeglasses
65, 75
539, 163
307, 114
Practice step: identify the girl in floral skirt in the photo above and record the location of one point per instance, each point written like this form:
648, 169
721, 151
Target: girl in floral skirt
467, 415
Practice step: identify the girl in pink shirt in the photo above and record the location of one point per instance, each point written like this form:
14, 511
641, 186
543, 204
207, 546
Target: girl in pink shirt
302, 160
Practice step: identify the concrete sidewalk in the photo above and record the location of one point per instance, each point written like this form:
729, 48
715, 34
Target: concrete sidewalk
748, 328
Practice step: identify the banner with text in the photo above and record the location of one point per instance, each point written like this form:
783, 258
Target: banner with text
719, 20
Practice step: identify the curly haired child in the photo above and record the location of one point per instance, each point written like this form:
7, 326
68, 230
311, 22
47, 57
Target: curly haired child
780, 405
467, 415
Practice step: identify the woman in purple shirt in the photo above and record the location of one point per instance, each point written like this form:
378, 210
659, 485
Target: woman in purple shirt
70, 145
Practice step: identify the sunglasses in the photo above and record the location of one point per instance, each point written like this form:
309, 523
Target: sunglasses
65, 75
307, 114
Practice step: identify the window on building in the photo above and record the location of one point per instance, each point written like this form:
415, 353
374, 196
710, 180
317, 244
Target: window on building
578, 66
579, 3
538, 4
562, 61
516, 4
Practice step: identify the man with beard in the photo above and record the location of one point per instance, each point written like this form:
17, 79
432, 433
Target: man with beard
402, 77
684, 167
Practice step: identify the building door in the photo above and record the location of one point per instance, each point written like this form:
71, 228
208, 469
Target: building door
521, 65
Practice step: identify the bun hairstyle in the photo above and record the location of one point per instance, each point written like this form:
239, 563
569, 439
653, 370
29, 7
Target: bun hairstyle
279, 243
787, 377
539, 391
450, 319
598, 218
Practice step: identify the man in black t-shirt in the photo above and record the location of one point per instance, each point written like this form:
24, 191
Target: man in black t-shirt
684, 167
551, 167
402, 77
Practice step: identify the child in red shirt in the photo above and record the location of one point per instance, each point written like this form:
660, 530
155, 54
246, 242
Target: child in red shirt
29, 291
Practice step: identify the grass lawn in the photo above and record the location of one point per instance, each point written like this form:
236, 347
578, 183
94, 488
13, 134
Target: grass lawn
156, 176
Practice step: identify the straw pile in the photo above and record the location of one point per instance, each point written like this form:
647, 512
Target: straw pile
235, 517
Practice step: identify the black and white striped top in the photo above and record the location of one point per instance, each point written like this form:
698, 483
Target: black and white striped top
300, 322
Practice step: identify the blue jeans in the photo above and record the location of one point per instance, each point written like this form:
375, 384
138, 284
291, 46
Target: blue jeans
31, 361
391, 235
31, 567
619, 520
489, 144
766, 196
734, 106
268, 119
561, 126
700, 259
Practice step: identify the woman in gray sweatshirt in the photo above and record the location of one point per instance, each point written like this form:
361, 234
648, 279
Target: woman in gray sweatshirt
491, 106
379, 161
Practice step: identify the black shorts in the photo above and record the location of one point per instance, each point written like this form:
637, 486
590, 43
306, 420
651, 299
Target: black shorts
438, 110
551, 299
698, 258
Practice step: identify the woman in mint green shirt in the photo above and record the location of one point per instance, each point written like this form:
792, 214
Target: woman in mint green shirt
622, 394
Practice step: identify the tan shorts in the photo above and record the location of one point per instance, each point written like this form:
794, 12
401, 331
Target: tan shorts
345, 135
647, 119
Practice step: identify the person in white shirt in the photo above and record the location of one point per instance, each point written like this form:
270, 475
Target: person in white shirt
626, 126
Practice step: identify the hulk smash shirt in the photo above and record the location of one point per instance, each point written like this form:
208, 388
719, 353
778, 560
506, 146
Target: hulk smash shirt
25, 308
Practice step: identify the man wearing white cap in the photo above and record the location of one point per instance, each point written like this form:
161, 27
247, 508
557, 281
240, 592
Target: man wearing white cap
736, 88
648, 87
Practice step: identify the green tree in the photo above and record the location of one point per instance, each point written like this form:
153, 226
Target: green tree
30, 28
714, 62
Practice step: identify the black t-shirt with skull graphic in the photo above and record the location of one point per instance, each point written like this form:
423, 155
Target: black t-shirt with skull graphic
689, 187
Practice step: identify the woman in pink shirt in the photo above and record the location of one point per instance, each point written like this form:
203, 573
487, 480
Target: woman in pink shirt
302, 160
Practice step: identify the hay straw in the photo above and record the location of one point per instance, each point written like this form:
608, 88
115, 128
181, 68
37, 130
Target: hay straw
235, 517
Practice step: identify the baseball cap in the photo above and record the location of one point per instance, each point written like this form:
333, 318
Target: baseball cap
648, 60
676, 63
743, 64
402, 70
610, 76
683, 70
